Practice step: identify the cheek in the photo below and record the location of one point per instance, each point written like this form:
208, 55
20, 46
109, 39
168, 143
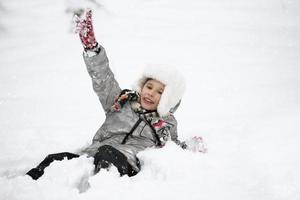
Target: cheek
158, 98
142, 94
144, 90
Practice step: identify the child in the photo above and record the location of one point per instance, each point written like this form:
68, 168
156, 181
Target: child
135, 119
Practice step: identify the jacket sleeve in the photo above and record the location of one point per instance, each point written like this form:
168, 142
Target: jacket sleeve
104, 83
174, 134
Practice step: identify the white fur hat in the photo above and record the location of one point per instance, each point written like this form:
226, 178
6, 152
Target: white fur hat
174, 87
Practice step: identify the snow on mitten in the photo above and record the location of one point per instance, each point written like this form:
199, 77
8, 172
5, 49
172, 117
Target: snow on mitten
196, 144
86, 31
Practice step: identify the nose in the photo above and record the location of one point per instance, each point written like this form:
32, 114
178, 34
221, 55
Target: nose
151, 92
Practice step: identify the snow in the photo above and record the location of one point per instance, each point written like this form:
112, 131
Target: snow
241, 61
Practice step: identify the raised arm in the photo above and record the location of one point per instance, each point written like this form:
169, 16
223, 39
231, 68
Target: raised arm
104, 82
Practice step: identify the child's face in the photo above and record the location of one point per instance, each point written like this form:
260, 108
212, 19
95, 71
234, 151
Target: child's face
151, 93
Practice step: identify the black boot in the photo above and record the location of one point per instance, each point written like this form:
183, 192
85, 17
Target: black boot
38, 171
35, 173
107, 154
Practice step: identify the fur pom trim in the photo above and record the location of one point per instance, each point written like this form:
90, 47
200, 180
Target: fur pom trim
174, 87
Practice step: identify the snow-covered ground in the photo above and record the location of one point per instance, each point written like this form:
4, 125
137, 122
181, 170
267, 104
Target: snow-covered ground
241, 60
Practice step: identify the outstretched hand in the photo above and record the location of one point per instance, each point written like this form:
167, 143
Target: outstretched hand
86, 31
196, 144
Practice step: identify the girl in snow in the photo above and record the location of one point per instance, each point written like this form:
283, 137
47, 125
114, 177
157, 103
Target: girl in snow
135, 119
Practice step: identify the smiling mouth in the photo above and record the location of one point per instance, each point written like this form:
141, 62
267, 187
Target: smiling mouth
148, 101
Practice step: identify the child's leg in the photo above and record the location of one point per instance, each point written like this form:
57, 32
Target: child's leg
108, 154
38, 171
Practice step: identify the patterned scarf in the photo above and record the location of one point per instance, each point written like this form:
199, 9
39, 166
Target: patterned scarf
158, 124
125, 95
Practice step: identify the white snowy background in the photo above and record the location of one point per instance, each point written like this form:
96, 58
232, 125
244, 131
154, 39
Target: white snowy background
241, 60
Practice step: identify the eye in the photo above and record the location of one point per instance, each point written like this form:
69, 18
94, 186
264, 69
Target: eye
149, 87
160, 92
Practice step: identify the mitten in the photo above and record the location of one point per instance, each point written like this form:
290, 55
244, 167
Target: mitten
195, 144
86, 31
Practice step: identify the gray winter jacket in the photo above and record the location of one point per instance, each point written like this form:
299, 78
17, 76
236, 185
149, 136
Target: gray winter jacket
118, 124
